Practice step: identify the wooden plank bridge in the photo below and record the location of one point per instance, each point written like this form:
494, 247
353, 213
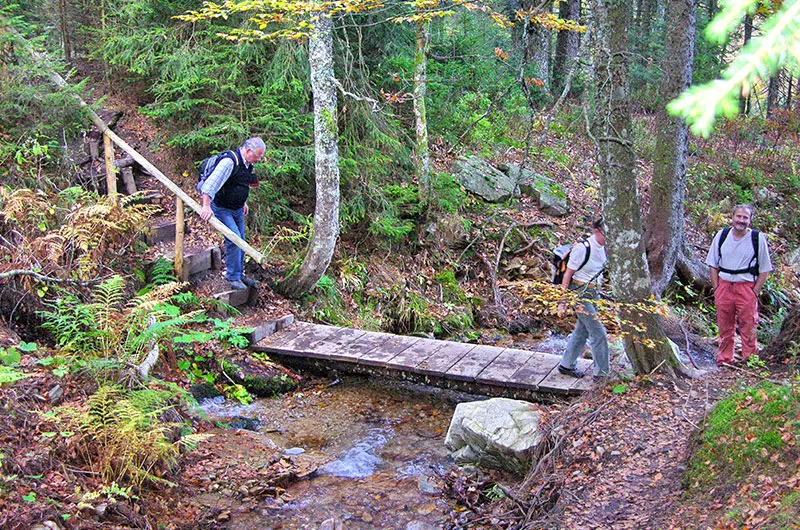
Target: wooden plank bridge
470, 367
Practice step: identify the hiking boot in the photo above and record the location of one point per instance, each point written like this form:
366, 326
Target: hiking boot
572, 372
249, 281
238, 285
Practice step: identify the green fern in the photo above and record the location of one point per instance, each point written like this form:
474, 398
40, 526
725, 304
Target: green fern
163, 272
123, 434
110, 328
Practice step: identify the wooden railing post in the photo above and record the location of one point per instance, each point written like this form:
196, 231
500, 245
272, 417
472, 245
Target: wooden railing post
111, 170
179, 231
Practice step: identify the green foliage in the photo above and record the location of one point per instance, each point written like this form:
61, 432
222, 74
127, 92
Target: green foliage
35, 116
745, 432
753, 433
759, 59
407, 311
448, 195
390, 227
109, 328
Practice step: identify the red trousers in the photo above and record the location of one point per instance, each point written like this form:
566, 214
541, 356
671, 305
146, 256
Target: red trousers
736, 303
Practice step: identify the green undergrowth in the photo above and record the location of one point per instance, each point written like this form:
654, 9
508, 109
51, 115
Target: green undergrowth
746, 462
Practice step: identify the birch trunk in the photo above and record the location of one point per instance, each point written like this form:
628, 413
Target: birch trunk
422, 156
325, 230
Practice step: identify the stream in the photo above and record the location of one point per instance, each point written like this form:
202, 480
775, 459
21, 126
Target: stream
379, 445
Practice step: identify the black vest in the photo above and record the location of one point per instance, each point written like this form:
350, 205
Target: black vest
233, 194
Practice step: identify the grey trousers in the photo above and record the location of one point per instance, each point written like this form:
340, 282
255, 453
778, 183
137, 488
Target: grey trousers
588, 327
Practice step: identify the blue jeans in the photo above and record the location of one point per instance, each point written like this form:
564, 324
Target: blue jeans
234, 256
588, 326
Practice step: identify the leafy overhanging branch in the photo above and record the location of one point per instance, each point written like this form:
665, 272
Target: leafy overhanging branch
778, 46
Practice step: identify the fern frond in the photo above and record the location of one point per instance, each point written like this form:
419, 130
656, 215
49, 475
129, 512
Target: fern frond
107, 301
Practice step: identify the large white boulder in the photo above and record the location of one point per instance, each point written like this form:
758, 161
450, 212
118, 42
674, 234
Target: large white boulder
499, 433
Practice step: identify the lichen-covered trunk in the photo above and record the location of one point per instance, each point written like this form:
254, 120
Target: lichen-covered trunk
422, 156
566, 45
645, 343
325, 230
538, 45
665, 218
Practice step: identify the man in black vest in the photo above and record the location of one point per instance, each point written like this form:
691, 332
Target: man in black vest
225, 194
739, 263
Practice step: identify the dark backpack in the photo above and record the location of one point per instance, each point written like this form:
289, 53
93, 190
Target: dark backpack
561, 258
208, 166
753, 268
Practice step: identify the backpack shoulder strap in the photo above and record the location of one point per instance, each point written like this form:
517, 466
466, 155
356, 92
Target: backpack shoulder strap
588, 248
754, 238
723, 236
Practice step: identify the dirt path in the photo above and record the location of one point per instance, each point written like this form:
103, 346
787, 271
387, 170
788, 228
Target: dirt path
625, 459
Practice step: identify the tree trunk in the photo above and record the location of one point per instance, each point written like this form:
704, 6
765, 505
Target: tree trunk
539, 47
326, 152
785, 347
63, 24
789, 93
422, 156
566, 44
772, 93
744, 99
645, 343
665, 236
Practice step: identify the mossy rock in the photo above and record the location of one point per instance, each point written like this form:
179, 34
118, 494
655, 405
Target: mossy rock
261, 378
204, 390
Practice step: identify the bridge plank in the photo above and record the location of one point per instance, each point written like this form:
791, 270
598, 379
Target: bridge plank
534, 371
302, 344
504, 366
558, 382
275, 341
356, 348
409, 358
511, 369
468, 367
440, 361
382, 354
336, 341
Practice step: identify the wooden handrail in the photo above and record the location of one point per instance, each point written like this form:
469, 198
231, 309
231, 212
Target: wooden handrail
166, 182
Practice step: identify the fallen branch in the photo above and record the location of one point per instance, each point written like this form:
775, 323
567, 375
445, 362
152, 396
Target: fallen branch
43, 278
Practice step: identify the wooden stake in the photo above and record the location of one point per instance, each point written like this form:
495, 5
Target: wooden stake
111, 170
179, 231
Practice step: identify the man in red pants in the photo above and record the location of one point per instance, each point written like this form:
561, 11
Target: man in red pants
740, 263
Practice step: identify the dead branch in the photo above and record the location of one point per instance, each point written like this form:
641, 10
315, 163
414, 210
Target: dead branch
43, 278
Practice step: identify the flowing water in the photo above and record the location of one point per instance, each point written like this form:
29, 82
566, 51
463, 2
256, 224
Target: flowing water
380, 449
